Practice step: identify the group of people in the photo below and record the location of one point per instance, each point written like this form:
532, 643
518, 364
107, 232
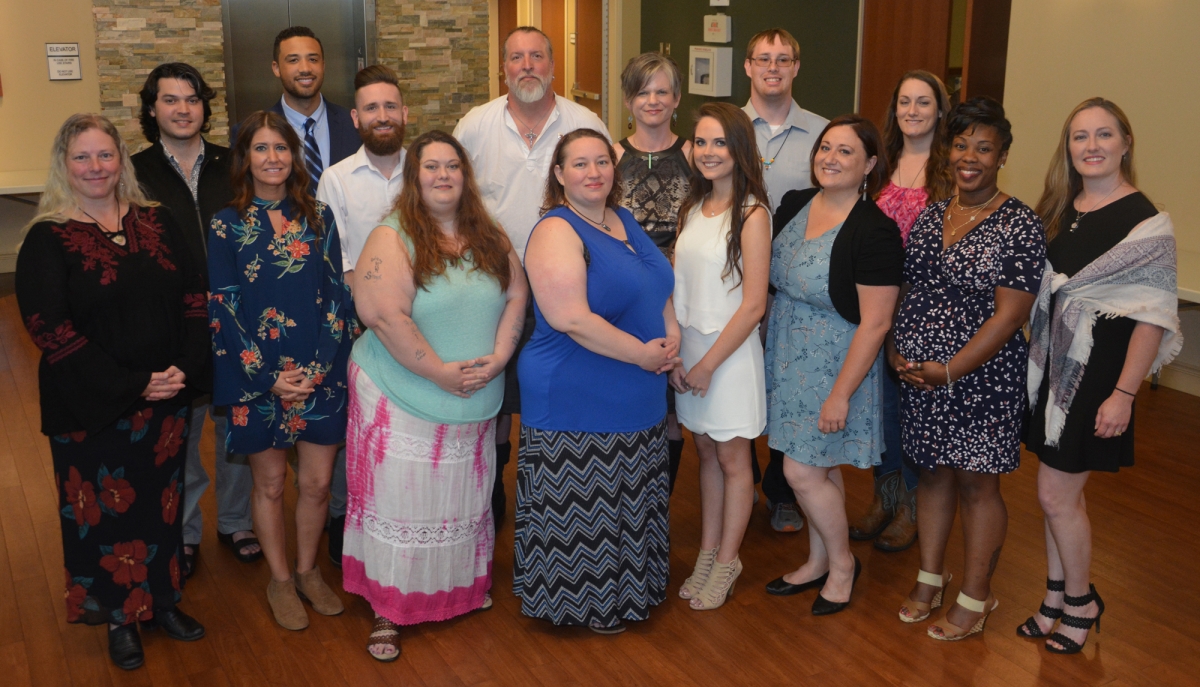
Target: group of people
858, 297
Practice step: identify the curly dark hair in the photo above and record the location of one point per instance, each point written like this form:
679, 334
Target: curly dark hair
294, 32
980, 111
149, 95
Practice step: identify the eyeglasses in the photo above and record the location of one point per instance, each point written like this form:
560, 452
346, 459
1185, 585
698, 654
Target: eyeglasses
783, 61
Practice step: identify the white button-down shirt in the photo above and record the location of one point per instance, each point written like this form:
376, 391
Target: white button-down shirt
790, 147
320, 127
511, 175
360, 198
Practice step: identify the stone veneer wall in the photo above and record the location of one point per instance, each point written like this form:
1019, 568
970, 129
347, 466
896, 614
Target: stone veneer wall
439, 48
135, 36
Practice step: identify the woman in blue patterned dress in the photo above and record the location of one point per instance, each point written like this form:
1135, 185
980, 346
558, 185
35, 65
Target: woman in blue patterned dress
836, 265
973, 269
278, 308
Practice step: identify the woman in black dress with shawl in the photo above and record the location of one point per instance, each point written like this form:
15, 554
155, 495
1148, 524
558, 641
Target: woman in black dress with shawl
111, 296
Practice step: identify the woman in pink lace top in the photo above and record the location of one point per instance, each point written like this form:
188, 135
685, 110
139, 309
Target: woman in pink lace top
917, 150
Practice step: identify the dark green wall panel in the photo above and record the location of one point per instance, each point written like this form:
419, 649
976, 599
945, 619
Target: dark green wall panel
826, 29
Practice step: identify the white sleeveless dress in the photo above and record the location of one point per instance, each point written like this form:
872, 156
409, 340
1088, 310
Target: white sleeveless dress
736, 402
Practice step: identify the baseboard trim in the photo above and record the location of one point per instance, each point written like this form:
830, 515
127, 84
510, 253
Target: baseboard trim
1181, 377
8, 262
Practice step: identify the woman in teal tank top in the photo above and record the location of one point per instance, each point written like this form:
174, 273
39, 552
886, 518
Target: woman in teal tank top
443, 294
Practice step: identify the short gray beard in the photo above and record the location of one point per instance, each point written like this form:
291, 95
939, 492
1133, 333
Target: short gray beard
531, 94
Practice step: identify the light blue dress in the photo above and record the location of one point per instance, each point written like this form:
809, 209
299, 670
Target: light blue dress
807, 342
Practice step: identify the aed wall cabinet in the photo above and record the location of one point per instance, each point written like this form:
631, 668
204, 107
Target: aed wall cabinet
710, 70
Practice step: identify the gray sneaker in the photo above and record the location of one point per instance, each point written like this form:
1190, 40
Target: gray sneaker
785, 517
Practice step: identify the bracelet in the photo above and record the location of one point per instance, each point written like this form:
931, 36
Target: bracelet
949, 382
1124, 391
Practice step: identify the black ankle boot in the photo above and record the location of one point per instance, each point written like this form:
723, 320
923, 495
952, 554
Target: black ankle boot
125, 647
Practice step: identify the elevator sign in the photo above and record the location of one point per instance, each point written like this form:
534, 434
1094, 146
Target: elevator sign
63, 61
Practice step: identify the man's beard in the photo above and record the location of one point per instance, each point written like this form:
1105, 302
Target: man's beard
383, 144
528, 94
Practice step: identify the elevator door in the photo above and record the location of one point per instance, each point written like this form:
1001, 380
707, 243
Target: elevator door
345, 27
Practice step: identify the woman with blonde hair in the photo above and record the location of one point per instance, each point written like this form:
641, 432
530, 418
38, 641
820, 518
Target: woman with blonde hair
111, 296
916, 148
1105, 318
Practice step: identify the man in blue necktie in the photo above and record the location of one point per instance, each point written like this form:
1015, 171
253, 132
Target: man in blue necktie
326, 129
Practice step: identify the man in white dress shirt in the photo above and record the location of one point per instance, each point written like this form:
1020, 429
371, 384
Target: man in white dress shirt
360, 191
786, 134
510, 141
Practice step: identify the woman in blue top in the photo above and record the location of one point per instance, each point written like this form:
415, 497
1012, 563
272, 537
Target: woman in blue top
277, 308
443, 293
592, 485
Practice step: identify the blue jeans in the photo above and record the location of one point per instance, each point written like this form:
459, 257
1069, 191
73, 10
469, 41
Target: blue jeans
234, 481
337, 485
893, 455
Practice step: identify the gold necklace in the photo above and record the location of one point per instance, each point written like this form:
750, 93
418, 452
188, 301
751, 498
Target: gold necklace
117, 236
954, 229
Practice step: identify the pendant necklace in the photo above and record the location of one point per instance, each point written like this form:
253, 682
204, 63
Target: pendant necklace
976, 208
118, 236
531, 136
1080, 215
599, 224
767, 163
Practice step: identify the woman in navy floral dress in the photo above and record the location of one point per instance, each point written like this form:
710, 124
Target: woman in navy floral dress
973, 268
277, 308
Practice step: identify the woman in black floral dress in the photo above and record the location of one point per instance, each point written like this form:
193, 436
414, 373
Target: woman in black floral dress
111, 296
973, 268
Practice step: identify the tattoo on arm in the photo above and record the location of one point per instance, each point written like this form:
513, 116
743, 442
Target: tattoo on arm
420, 353
993, 562
516, 339
373, 273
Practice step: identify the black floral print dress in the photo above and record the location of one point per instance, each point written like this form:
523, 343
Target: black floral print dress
278, 303
975, 426
105, 316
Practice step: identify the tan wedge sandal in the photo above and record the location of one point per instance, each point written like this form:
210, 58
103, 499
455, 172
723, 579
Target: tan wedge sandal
949, 632
719, 587
704, 563
919, 610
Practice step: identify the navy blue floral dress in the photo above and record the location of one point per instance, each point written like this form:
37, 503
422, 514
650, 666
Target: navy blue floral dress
977, 425
277, 303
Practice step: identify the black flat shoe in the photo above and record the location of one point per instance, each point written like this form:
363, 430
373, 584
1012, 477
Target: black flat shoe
178, 625
823, 606
125, 647
781, 587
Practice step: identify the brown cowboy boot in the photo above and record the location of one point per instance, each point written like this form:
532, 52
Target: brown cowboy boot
882, 509
902, 531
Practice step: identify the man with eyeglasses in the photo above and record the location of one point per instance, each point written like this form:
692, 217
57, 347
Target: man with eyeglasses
786, 133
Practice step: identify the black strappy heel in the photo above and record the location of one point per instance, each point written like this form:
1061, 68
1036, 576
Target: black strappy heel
1030, 629
1070, 646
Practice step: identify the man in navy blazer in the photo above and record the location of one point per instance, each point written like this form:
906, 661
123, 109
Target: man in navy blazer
325, 129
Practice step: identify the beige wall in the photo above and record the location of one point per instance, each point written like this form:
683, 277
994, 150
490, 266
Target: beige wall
33, 107
1145, 57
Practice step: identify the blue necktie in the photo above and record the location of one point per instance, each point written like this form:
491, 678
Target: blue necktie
312, 154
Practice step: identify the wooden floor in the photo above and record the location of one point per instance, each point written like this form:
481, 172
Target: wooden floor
1145, 566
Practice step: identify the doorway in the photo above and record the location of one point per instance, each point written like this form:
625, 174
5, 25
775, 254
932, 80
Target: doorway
346, 29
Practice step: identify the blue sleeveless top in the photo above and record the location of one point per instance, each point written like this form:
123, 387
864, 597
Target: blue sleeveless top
566, 387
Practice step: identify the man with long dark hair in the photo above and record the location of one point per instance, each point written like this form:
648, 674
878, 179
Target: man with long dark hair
190, 177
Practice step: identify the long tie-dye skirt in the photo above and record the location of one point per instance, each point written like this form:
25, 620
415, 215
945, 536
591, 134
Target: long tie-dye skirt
592, 534
419, 531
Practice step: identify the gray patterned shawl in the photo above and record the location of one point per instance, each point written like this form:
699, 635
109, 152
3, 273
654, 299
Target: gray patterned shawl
1135, 279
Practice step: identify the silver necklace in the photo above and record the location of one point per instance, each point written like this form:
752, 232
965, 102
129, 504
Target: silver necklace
531, 136
1080, 215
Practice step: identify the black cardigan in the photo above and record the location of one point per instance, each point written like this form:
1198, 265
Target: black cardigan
162, 183
868, 250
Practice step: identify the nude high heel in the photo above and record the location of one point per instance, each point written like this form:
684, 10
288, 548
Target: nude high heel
920, 610
704, 563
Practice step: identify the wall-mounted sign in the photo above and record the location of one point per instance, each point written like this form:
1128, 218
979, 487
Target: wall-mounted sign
63, 61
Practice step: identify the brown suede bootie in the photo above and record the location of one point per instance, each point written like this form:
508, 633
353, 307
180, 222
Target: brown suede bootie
289, 611
312, 588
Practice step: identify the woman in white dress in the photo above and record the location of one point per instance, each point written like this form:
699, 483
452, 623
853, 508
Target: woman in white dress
722, 261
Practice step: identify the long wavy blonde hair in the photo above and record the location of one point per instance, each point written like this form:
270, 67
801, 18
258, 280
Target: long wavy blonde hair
58, 199
1063, 183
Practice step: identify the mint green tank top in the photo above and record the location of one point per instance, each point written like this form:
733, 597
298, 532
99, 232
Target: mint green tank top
457, 313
